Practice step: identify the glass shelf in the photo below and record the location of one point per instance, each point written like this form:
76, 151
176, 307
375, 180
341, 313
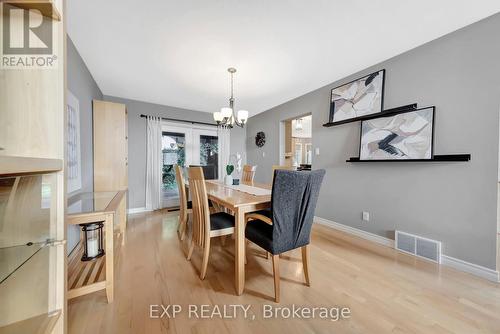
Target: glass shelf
27, 209
90, 202
12, 258
43, 323
29, 291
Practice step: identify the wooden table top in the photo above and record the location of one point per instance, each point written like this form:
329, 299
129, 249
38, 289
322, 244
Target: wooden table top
232, 198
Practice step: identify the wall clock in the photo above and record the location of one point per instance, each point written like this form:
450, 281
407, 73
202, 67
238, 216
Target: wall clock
260, 139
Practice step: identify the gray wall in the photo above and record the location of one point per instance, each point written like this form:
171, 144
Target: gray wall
83, 86
137, 140
452, 202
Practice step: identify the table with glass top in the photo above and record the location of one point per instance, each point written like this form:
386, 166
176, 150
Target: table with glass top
108, 207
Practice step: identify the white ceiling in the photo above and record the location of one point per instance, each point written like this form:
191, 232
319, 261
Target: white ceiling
176, 52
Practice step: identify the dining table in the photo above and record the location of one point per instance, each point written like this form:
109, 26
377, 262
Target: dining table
240, 200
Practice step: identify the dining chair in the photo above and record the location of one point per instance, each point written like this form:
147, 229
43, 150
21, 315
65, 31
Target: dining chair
185, 206
281, 167
248, 173
205, 225
287, 225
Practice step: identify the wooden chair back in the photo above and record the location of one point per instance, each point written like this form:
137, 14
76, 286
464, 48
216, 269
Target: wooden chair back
183, 209
201, 211
281, 167
248, 173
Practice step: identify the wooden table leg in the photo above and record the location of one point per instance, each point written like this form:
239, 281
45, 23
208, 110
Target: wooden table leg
123, 218
239, 240
109, 236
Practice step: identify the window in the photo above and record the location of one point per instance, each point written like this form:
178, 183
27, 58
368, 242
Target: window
298, 153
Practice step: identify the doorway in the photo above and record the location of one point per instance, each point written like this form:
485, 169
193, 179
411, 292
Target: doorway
296, 148
187, 145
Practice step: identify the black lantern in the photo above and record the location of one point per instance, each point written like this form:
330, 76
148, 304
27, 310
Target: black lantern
92, 238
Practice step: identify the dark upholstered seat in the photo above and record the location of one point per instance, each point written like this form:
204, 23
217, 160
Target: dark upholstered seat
221, 220
293, 203
190, 204
260, 233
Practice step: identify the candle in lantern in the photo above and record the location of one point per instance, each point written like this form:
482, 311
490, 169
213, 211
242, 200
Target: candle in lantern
92, 247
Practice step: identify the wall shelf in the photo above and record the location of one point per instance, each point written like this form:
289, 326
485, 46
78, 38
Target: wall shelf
384, 113
436, 158
46, 7
11, 165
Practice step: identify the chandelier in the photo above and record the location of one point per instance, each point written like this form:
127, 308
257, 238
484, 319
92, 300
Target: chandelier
226, 116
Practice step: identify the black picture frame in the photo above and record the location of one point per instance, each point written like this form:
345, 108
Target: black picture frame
331, 116
396, 114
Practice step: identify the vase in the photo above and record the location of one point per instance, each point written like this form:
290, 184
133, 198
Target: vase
228, 180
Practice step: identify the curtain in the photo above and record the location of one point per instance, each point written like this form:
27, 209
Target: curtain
223, 133
153, 163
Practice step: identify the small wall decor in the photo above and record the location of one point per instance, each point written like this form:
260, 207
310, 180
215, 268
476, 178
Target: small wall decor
74, 159
260, 139
408, 135
357, 99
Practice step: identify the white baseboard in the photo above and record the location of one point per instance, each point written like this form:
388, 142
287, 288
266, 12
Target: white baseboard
446, 260
471, 268
137, 210
354, 231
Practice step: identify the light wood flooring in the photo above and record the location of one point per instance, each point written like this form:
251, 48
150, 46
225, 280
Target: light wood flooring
386, 291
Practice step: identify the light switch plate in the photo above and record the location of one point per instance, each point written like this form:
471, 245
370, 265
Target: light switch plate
366, 216
317, 150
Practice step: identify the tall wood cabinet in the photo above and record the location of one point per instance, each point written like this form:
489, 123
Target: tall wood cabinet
32, 188
110, 146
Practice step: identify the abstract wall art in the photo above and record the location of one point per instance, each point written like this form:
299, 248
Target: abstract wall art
408, 135
357, 99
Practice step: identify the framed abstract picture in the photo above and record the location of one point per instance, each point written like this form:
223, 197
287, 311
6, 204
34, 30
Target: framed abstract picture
408, 135
358, 99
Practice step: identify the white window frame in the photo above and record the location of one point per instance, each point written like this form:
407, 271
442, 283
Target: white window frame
192, 134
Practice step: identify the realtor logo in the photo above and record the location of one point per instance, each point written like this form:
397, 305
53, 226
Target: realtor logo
27, 35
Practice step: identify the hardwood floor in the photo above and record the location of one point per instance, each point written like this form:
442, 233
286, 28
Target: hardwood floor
386, 291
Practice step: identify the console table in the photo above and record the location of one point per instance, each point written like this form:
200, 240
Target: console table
110, 207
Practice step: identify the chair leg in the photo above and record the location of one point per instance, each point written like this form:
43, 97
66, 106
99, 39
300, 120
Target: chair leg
305, 263
223, 240
276, 273
182, 229
204, 265
245, 249
190, 252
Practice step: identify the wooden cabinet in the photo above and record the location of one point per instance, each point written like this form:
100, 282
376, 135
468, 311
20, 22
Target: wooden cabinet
110, 146
32, 188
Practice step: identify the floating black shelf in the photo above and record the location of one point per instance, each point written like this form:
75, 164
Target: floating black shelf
436, 158
384, 113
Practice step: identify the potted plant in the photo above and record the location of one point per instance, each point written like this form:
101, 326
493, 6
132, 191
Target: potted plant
228, 180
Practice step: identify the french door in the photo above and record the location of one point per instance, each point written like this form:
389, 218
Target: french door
187, 145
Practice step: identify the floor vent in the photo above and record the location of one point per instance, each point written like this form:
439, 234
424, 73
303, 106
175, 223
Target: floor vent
418, 246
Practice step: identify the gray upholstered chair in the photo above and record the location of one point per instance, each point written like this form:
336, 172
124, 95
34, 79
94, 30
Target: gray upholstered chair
288, 224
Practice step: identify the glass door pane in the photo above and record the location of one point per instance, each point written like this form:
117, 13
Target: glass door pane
209, 156
173, 152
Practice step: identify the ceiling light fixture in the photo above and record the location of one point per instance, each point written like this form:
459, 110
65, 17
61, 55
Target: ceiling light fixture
298, 124
225, 116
